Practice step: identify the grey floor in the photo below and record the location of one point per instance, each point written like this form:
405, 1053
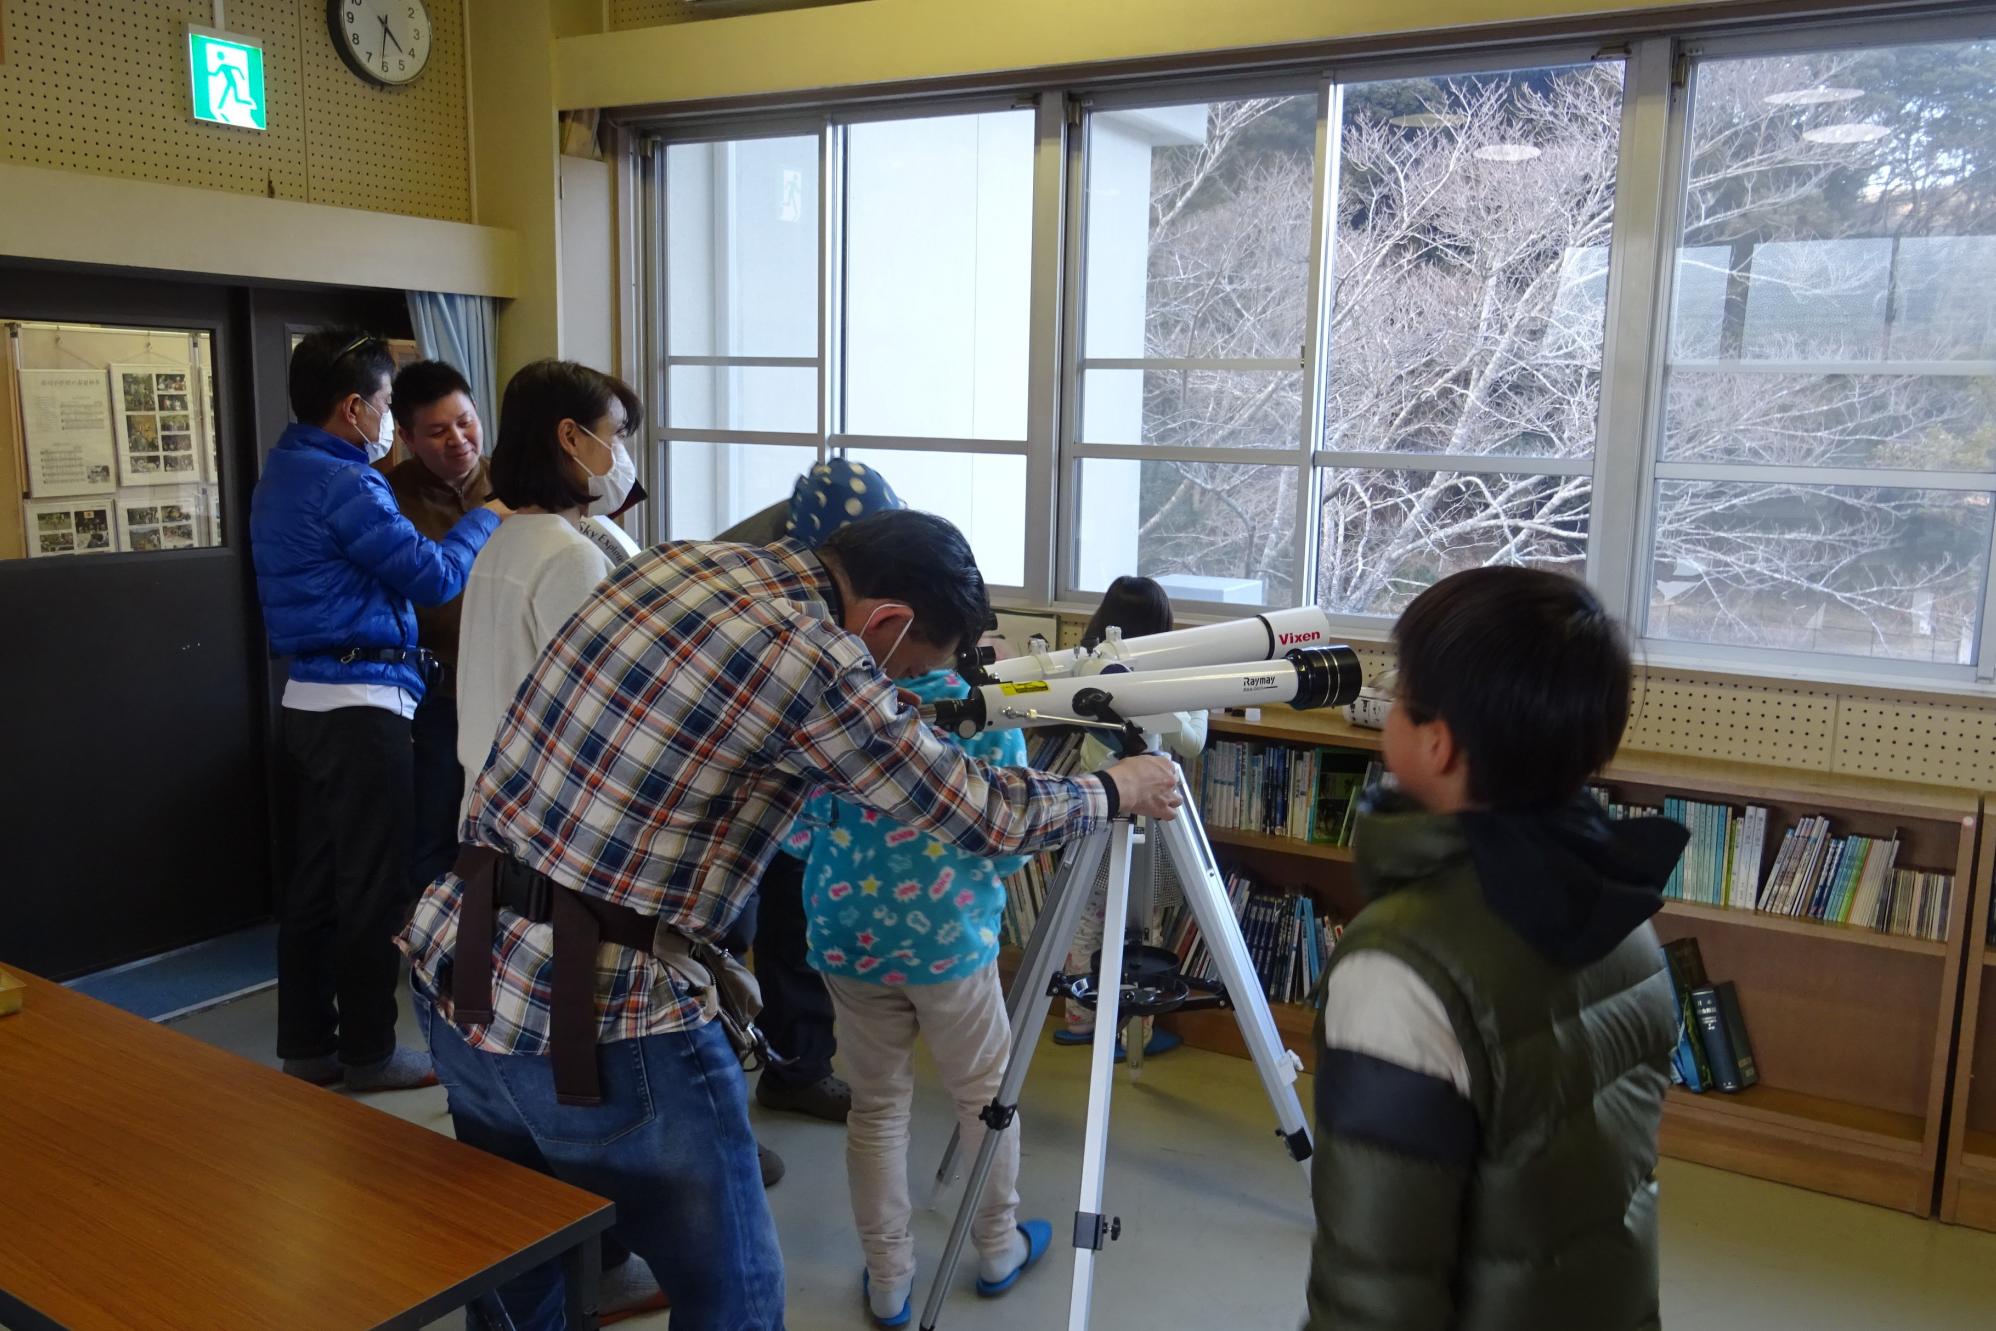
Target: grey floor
1216, 1221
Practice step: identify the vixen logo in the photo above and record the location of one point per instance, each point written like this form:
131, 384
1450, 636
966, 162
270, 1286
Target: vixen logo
1291, 639
1253, 682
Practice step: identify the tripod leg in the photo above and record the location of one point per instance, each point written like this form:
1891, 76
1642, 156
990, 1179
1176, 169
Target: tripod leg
1136, 928
1032, 977
1206, 895
1091, 1227
1065, 902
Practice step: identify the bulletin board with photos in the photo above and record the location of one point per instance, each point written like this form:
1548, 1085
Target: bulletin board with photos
111, 435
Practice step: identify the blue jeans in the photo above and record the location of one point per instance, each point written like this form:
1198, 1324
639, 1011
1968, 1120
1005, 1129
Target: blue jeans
670, 1144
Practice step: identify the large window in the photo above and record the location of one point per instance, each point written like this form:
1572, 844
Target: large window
1469, 293
741, 354
1709, 323
1194, 317
937, 285
928, 225
1827, 451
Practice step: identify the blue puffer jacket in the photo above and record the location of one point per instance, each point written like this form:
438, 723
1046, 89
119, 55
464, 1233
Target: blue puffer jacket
337, 564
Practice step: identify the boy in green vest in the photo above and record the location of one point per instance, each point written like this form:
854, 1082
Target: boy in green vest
1497, 1021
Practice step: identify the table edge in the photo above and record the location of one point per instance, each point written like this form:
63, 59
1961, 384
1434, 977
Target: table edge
585, 1230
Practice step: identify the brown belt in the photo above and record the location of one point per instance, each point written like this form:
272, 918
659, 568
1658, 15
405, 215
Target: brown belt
493, 879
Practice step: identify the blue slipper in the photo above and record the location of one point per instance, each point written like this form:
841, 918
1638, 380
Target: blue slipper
866, 1295
1068, 1035
1039, 1237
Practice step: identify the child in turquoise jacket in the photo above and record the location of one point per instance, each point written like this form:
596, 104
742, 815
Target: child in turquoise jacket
904, 927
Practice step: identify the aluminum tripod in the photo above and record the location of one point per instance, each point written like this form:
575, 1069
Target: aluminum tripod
1145, 989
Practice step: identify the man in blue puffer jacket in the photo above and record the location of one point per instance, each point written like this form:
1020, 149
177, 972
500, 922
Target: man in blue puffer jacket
337, 567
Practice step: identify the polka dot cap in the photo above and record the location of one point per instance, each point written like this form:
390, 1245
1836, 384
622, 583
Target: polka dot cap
835, 493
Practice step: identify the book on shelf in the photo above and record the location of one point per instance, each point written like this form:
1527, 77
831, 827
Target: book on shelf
1289, 942
1288, 791
1722, 1029
1688, 1065
1721, 862
1816, 874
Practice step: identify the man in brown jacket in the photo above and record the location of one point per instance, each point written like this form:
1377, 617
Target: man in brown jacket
443, 478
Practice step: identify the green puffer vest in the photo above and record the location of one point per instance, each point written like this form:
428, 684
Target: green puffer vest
1567, 1068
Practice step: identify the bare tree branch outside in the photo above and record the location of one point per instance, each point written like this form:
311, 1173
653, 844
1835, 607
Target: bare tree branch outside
1831, 310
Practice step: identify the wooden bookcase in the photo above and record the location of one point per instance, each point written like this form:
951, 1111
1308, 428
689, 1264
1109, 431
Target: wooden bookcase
1852, 1029
1968, 1186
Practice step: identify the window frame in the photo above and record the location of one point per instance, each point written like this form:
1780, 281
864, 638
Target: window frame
829, 129
1632, 602
1626, 465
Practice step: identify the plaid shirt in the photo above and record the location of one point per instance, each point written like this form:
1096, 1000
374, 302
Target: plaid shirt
667, 739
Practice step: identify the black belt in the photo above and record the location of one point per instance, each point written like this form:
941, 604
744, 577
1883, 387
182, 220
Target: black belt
493, 879
421, 657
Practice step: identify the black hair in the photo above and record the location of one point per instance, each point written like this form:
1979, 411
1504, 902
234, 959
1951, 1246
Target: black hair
1136, 606
422, 382
1529, 671
333, 364
529, 465
922, 560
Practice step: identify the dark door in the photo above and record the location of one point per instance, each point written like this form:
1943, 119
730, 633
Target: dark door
139, 812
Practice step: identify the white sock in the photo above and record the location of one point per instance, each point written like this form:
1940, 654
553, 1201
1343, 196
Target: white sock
887, 1300
995, 1266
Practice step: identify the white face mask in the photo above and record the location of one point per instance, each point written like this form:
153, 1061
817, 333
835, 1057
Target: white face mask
383, 442
608, 491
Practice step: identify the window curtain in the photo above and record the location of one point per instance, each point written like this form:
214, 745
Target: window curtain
459, 329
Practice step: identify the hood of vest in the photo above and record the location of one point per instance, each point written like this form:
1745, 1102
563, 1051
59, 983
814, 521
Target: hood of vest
1569, 881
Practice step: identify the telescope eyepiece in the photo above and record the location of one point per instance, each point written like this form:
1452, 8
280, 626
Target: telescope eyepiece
1325, 676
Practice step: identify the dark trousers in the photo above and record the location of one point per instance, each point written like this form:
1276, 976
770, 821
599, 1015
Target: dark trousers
796, 1009
439, 781
351, 890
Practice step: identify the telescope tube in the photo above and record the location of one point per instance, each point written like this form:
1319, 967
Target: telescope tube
1305, 678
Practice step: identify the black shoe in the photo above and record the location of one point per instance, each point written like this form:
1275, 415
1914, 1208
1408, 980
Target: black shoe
772, 1165
827, 1098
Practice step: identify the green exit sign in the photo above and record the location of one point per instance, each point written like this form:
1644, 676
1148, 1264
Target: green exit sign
227, 74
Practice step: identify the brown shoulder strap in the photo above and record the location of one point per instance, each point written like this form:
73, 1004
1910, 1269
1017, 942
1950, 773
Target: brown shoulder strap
471, 962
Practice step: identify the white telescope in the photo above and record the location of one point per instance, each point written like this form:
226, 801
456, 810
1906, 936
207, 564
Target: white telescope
1304, 678
1256, 638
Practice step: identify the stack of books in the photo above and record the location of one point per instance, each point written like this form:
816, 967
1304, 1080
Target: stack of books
1289, 941
1026, 897
1855, 880
1713, 1051
1816, 875
1283, 790
1721, 864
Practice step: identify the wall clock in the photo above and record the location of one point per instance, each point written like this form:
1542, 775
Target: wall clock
384, 41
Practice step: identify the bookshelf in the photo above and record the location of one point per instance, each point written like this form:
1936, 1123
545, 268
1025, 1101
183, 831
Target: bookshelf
1968, 1185
1852, 1029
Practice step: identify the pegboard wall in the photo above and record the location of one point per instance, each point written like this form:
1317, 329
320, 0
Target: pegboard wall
652, 13
1804, 727
102, 86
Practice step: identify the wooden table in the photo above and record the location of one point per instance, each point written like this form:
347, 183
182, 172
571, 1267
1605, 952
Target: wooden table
149, 1180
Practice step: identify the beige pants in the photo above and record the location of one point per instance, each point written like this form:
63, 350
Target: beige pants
963, 1023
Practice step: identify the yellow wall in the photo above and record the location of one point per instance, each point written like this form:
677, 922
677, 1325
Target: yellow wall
102, 86
69, 216
516, 157
892, 41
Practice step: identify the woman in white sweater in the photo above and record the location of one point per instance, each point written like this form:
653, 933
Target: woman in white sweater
560, 458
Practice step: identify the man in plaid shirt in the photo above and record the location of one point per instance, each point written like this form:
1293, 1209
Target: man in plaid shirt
666, 741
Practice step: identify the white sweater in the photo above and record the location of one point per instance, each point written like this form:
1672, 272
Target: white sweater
534, 573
